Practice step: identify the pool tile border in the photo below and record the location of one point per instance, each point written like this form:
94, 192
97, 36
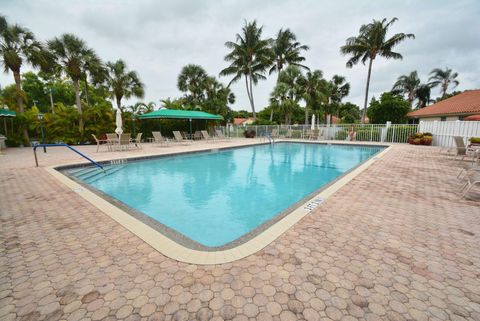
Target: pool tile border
178, 252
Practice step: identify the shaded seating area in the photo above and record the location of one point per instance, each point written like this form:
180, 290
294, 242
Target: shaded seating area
183, 115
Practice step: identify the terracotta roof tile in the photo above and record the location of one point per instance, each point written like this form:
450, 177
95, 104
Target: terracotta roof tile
467, 102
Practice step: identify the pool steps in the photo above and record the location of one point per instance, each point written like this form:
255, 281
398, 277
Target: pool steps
92, 174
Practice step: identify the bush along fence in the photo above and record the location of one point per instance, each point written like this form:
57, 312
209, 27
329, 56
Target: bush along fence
440, 133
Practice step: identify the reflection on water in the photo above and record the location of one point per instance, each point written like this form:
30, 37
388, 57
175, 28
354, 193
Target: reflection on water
214, 198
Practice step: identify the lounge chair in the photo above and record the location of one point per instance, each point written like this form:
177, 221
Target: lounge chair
220, 135
462, 150
137, 141
159, 139
274, 133
472, 180
178, 137
207, 137
289, 133
100, 142
470, 168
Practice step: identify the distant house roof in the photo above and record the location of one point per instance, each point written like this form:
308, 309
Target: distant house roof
467, 102
241, 121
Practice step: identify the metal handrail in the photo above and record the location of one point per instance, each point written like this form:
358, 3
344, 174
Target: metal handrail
69, 147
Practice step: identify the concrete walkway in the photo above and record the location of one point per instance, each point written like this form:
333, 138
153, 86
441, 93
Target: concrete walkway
394, 244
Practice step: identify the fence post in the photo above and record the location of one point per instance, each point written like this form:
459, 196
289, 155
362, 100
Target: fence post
388, 124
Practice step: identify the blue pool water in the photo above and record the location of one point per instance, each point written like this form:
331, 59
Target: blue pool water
214, 198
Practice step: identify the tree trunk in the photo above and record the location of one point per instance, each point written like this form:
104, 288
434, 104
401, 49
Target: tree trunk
306, 114
18, 85
366, 90
86, 92
278, 76
119, 102
76, 87
249, 90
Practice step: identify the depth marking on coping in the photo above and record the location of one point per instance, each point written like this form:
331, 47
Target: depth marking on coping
310, 206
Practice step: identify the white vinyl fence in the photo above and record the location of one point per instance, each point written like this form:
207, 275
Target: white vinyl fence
444, 131
390, 133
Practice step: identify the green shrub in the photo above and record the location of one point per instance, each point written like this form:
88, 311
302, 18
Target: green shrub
249, 133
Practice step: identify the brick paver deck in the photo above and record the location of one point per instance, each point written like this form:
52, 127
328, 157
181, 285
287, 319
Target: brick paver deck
394, 244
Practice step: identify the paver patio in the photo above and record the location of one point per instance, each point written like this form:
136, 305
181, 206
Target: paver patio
393, 244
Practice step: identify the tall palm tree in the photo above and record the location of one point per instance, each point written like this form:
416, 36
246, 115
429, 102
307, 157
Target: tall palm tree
291, 77
407, 85
287, 51
372, 42
17, 47
192, 79
443, 78
72, 55
313, 91
123, 83
250, 56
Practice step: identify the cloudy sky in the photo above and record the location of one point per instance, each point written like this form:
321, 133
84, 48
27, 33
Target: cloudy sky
157, 38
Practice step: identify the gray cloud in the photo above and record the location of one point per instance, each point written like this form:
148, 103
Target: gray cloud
157, 38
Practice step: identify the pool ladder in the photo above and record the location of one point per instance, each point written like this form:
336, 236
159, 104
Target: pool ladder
271, 140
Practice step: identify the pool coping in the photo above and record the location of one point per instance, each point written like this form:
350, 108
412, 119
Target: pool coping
179, 252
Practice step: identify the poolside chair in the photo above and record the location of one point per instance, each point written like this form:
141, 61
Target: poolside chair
289, 133
112, 141
159, 139
198, 135
308, 134
472, 180
462, 150
124, 141
274, 133
137, 141
220, 135
207, 137
100, 142
178, 137
470, 168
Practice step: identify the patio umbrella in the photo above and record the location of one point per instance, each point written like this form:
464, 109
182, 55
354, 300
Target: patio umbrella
118, 122
313, 122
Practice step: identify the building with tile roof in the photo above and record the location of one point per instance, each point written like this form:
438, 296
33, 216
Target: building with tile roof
454, 108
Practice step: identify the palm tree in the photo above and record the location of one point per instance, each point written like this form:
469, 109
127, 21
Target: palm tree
423, 95
372, 42
193, 79
287, 51
94, 69
443, 78
72, 55
335, 90
250, 57
18, 46
407, 85
123, 83
313, 91
281, 98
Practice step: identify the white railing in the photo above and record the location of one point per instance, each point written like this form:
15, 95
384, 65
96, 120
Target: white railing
443, 132
363, 132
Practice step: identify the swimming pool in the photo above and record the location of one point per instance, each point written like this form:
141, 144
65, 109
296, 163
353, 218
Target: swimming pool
217, 197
